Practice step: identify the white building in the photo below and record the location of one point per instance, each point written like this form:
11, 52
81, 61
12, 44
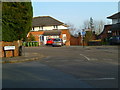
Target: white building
44, 27
47, 23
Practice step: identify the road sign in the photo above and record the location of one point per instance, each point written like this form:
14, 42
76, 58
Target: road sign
9, 47
83, 33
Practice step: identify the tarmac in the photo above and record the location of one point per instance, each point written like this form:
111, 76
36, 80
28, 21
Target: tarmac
24, 58
28, 56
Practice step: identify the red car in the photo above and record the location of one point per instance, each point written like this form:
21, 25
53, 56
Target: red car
49, 41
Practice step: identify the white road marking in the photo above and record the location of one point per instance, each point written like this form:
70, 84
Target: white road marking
93, 59
85, 57
107, 59
98, 79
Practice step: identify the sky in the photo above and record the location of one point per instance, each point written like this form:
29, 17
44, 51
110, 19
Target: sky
75, 12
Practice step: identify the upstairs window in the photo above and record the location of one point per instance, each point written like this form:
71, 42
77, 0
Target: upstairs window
33, 29
41, 28
119, 20
55, 27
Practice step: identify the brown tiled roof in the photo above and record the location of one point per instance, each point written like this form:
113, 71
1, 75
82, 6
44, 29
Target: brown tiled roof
45, 21
114, 16
52, 32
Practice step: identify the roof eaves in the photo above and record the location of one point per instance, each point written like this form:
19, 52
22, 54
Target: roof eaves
114, 16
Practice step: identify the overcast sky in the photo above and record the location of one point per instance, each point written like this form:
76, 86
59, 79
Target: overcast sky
75, 12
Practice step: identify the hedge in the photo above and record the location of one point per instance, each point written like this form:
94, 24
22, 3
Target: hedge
16, 20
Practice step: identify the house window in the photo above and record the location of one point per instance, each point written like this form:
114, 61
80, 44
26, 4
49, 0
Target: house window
64, 37
33, 28
42, 27
119, 20
41, 38
109, 31
55, 27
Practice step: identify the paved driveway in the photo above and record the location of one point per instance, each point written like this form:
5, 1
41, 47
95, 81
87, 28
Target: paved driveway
71, 67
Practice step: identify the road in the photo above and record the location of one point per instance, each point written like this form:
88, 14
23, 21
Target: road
65, 67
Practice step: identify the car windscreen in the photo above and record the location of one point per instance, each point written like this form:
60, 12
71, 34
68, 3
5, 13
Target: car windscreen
49, 39
57, 39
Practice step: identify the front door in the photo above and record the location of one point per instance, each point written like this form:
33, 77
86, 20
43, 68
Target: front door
64, 37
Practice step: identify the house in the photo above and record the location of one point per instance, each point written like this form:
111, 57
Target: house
111, 29
115, 29
44, 27
106, 33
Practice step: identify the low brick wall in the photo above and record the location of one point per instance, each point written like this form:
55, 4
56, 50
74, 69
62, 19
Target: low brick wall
9, 53
75, 40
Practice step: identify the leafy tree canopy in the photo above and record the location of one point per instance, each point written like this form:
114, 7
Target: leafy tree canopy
31, 38
16, 20
88, 36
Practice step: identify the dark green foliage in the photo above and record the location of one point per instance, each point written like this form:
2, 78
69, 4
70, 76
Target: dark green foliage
88, 36
16, 20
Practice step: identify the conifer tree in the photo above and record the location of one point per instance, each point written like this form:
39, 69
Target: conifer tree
91, 24
16, 20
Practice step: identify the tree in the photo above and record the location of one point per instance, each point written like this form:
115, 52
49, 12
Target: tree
71, 28
16, 20
31, 38
91, 24
99, 26
86, 24
96, 26
88, 36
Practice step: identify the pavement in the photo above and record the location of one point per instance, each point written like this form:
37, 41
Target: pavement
25, 57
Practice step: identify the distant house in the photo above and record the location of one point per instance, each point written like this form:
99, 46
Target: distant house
44, 27
106, 33
115, 29
112, 29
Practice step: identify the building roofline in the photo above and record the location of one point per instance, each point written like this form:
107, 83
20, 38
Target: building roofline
50, 17
114, 16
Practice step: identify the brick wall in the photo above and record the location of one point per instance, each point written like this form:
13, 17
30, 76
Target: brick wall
105, 34
10, 53
36, 34
75, 40
66, 31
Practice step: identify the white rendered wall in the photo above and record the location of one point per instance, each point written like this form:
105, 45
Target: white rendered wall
48, 28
